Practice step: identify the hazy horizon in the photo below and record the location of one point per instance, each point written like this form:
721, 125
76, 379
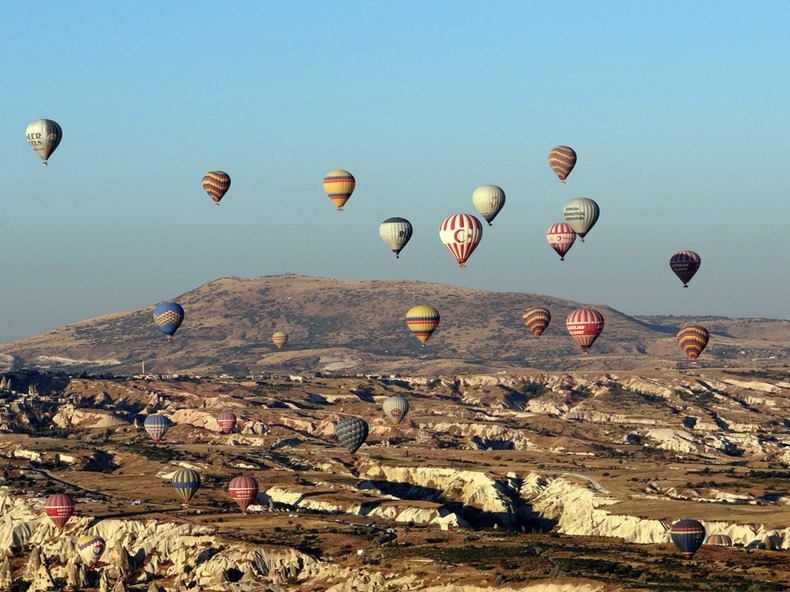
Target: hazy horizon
677, 113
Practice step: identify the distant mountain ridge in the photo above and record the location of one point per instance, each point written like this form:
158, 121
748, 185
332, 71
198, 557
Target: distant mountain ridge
359, 327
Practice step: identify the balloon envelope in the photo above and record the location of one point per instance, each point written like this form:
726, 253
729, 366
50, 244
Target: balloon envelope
351, 432
395, 232
280, 338
581, 214
537, 319
561, 238
156, 425
226, 421
692, 340
488, 201
339, 185
168, 316
584, 325
186, 482
687, 536
395, 408
90, 549
59, 508
461, 233
243, 490
685, 264
562, 159
719, 540
44, 136
216, 184
422, 320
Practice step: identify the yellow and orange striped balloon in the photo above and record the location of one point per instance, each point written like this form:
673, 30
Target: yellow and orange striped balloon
216, 184
692, 340
339, 185
562, 159
280, 338
537, 319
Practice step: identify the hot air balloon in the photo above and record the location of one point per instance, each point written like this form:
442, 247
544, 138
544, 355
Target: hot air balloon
156, 425
59, 508
168, 316
186, 482
685, 264
339, 185
537, 319
692, 340
422, 320
461, 233
243, 490
216, 184
351, 432
395, 408
562, 159
581, 214
488, 201
585, 325
280, 338
719, 540
226, 421
395, 232
90, 549
44, 135
561, 238
687, 536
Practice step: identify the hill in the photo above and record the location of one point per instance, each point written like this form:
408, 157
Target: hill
358, 326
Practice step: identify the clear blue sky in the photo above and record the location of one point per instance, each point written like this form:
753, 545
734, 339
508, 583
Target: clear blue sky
679, 111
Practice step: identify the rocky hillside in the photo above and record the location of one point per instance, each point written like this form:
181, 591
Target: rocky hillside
536, 482
359, 326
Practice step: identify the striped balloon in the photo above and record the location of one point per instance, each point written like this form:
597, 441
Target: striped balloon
692, 340
168, 316
461, 233
488, 201
90, 549
186, 482
537, 319
351, 432
685, 264
585, 325
339, 185
562, 159
422, 320
687, 536
226, 421
395, 232
395, 408
719, 540
581, 214
59, 508
244, 490
44, 136
561, 238
280, 338
216, 184
156, 425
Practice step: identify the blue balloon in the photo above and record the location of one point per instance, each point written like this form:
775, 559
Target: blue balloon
186, 482
168, 316
351, 432
688, 536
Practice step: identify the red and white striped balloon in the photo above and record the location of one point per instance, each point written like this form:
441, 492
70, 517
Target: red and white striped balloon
561, 238
584, 325
461, 233
243, 490
226, 421
59, 508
